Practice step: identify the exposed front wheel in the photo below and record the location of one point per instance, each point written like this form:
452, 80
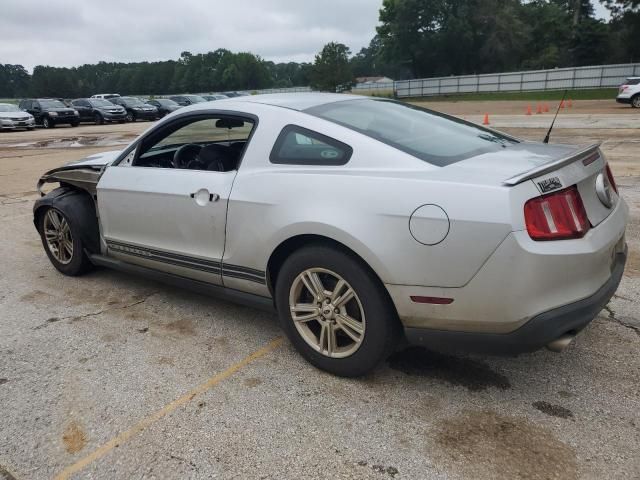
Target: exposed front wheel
98, 120
61, 241
334, 311
48, 123
131, 117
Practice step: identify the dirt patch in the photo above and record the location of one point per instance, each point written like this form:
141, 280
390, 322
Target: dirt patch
252, 382
553, 410
486, 444
166, 361
183, 327
471, 374
74, 438
633, 264
36, 296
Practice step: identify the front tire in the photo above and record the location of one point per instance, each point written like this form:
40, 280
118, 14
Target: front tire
48, 123
334, 311
131, 117
61, 241
98, 120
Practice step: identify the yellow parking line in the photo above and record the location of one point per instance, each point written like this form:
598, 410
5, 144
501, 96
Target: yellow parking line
146, 422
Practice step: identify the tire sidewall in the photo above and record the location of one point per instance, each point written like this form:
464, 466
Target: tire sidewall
79, 262
47, 122
380, 317
635, 101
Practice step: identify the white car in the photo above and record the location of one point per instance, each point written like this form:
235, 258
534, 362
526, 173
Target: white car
358, 219
105, 96
629, 92
11, 117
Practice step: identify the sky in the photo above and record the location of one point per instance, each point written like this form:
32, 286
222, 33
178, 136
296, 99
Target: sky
73, 32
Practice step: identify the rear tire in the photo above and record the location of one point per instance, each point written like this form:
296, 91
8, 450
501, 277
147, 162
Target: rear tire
362, 330
61, 242
635, 101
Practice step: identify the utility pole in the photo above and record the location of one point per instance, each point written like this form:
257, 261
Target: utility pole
577, 8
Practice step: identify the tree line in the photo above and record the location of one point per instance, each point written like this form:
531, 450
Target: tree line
415, 38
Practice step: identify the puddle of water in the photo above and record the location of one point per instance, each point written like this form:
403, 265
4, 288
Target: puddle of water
72, 142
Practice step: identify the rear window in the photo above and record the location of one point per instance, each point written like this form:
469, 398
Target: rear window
632, 81
430, 136
299, 146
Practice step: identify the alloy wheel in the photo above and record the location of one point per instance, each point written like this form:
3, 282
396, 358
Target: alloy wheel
636, 101
327, 312
58, 236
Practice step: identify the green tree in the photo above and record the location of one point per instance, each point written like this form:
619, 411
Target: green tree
331, 69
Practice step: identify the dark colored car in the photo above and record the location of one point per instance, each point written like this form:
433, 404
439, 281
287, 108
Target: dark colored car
165, 106
136, 108
50, 112
185, 100
214, 97
98, 110
234, 94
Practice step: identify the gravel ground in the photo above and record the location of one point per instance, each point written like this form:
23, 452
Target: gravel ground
109, 376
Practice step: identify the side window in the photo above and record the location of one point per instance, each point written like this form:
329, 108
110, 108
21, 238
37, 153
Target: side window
211, 143
299, 146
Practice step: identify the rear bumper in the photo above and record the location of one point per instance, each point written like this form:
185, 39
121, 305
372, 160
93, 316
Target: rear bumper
534, 334
626, 100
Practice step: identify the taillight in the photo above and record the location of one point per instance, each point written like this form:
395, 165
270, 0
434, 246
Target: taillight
612, 180
557, 216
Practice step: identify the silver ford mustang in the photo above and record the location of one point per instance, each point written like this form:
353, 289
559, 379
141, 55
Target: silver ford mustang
362, 221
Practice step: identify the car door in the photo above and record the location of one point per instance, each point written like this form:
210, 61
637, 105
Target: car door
168, 219
33, 107
83, 108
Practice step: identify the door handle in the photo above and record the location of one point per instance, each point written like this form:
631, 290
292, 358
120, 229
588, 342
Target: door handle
202, 194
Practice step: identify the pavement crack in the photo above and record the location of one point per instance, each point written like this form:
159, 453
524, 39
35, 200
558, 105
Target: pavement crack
612, 318
75, 318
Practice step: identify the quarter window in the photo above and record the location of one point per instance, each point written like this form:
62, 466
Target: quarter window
299, 146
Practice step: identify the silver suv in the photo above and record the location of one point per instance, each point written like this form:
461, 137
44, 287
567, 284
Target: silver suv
630, 92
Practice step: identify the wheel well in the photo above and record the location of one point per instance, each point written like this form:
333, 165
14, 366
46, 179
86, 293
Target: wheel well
286, 248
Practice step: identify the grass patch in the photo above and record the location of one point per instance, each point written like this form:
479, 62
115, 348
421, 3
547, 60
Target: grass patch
591, 94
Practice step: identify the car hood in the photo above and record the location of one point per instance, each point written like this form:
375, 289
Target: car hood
14, 115
95, 160
83, 174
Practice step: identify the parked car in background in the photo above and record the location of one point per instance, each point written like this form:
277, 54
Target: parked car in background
359, 220
165, 106
629, 92
99, 111
214, 97
136, 108
234, 94
50, 112
105, 96
186, 100
11, 117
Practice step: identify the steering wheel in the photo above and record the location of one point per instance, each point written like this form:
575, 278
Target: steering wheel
185, 155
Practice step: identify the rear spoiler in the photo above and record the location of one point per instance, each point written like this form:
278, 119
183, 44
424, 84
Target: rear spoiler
582, 154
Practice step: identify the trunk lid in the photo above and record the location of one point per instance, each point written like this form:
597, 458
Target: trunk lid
550, 168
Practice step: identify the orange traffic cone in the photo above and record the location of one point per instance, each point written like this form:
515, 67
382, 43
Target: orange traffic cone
545, 109
539, 109
486, 119
528, 110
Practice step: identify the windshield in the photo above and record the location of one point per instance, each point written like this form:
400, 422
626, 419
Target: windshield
100, 103
132, 101
6, 107
51, 104
431, 136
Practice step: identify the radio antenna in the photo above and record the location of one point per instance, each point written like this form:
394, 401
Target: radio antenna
546, 139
